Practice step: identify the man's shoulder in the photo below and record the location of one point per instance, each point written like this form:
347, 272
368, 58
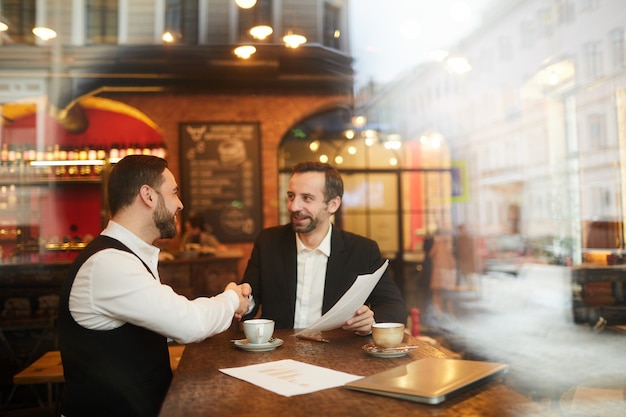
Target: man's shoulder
351, 238
276, 231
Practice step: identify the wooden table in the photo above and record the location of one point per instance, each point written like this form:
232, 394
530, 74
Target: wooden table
200, 389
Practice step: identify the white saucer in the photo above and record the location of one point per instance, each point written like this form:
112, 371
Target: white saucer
258, 347
387, 353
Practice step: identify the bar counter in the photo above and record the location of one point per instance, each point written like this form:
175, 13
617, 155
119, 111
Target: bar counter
200, 389
192, 277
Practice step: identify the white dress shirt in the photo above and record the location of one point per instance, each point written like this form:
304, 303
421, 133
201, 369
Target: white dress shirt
112, 288
311, 269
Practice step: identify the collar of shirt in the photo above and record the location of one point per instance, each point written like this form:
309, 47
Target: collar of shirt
323, 247
147, 253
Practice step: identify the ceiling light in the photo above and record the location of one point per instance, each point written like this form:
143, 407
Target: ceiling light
245, 4
314, 146
44, 33
261, 32
359, 121
293, 40
245, 51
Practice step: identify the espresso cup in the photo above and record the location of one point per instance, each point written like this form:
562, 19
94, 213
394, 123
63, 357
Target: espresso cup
258, 331
388, 335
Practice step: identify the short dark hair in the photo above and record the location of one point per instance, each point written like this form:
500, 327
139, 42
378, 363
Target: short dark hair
129, 175
334, 183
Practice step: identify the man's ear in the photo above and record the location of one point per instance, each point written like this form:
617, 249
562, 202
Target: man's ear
334, 204
146, 193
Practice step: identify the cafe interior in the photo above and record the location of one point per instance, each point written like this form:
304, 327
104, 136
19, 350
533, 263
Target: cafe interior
233, 93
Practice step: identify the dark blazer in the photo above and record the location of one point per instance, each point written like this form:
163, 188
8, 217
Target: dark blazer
271, 272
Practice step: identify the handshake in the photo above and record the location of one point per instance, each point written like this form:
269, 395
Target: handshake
244, 291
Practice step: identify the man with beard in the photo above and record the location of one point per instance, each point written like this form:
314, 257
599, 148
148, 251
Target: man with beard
298, 271
115, 316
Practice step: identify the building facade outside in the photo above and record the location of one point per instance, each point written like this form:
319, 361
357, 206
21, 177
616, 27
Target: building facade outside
537, 119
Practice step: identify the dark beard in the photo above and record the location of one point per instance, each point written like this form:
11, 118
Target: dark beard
164, 221
305, 229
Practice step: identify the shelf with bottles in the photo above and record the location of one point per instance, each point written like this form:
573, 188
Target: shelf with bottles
59, 163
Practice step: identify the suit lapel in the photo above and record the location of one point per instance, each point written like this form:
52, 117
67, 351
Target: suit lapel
333, 269
290, 265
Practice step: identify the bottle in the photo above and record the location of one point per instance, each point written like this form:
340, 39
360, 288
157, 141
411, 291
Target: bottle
101, 153
114, 152
92, 153
82, 153
415, 322
12, 197
4, 197
63, 153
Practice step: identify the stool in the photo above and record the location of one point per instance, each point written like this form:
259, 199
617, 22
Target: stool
48, 369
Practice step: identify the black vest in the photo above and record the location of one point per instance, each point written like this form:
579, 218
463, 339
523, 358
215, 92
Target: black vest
120, 372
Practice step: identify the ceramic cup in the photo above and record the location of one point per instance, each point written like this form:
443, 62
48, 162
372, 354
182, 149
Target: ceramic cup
387, 335
258, 331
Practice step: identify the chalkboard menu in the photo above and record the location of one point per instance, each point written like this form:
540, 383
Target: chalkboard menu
221, 177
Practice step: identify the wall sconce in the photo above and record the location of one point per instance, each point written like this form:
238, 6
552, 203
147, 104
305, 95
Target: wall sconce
245, 51
261, 32
167, 37
3, 27
293, 40
245, 4
44, 33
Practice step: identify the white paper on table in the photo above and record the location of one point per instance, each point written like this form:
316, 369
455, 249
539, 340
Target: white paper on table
349, 302
289, 377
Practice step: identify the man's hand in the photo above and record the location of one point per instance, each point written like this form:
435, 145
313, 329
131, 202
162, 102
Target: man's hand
243, 292
361, 321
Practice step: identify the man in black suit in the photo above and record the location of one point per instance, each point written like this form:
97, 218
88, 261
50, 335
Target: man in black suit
298, 271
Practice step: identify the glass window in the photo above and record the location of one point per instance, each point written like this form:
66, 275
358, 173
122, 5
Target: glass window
505, 48
332, 31
181, 20
101, 21
597, 131
593, 59
260, 14
19, 15
618, 48
527, 29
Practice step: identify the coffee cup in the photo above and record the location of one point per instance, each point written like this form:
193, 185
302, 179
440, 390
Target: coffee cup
387, 335
258, 331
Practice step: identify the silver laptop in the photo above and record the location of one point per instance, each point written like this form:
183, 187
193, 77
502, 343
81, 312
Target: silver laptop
429, 380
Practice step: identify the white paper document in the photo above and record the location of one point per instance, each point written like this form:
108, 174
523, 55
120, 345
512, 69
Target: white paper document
349, 303
288, 377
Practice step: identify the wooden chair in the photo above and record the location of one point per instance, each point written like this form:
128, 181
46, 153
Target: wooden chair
48, 369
